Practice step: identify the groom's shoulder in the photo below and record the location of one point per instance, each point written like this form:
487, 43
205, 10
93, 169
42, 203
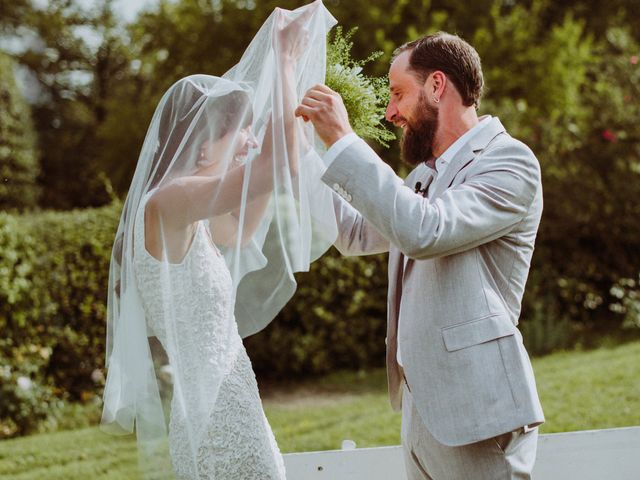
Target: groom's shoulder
504, 141
504, 147
509, 155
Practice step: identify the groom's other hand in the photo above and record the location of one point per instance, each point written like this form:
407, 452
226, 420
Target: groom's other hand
325, 109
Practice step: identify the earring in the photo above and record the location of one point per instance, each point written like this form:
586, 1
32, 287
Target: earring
436, 99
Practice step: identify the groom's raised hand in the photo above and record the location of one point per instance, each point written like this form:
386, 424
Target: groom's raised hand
325, 109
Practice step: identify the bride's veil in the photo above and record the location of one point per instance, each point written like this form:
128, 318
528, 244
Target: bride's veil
226, 203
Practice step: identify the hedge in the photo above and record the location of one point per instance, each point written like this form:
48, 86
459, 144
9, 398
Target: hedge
53, 277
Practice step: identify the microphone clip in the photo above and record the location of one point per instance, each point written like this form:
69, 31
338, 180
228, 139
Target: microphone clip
422, 191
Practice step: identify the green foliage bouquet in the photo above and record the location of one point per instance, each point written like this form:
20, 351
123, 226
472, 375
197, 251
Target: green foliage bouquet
364, 97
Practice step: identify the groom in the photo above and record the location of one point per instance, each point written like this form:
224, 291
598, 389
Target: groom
460, 230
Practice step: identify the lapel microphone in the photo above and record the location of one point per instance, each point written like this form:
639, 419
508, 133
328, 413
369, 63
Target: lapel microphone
422, 191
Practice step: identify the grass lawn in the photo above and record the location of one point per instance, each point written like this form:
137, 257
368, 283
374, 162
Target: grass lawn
579, 390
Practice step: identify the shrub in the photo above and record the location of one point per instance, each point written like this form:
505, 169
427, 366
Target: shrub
27, 400
53, 278
336, 320
575, 107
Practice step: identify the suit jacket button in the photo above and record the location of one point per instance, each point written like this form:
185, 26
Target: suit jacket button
336, 187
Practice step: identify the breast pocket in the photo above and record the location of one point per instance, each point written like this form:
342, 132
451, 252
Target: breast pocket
477, 331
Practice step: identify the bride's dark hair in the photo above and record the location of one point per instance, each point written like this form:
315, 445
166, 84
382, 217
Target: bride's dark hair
232, 111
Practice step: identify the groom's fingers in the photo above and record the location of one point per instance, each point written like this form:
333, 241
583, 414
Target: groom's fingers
325, 109
312, 102
310, 108
321, 98
304, 111
322, 88
322, 92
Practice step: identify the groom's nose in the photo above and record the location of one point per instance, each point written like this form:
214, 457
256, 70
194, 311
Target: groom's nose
392, 111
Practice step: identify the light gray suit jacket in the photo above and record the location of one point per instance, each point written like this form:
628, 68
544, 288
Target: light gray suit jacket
468, 248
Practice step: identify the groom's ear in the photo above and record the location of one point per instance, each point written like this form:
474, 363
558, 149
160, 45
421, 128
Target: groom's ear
435, 85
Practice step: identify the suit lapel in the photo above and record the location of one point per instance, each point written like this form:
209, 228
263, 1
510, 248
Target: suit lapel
425, 178
457, 163
466, 154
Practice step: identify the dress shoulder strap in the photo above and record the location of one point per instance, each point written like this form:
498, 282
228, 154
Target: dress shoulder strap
138, 226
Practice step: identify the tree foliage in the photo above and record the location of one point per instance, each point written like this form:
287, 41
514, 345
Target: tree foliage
18, 160
74, 56
562, 76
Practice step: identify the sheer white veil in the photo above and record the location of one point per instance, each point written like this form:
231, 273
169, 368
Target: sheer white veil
224, 159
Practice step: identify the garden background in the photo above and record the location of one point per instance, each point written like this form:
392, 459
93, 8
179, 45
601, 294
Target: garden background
78, 86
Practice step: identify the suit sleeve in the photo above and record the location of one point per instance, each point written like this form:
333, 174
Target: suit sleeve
496, 195
356, 236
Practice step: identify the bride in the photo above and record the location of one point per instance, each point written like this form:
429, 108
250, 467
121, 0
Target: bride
216, 221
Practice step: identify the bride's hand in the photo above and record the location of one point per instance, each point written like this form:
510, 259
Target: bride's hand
291, 36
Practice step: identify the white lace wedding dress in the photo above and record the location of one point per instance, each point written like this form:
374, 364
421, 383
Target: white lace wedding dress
235, 441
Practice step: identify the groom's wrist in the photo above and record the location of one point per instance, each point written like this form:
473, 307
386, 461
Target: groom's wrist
337, 136
337, 147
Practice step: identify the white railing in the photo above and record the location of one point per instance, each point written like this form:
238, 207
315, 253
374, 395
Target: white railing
612, 454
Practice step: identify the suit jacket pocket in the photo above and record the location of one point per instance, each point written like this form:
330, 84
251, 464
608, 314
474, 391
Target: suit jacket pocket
474, 332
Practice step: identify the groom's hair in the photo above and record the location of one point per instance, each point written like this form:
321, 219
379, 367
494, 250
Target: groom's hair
450, 54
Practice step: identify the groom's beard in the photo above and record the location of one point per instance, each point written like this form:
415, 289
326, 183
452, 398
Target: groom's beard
416, 145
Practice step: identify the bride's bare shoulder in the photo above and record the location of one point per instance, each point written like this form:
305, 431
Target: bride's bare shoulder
173, 202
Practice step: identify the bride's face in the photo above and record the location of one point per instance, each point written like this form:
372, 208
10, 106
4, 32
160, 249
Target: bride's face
243, 141
235, 145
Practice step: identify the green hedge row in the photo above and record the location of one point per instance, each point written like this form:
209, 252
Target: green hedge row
53, 277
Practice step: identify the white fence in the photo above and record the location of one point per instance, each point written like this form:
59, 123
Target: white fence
612, 454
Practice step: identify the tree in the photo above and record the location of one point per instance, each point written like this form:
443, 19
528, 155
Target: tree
18, 161
76, 56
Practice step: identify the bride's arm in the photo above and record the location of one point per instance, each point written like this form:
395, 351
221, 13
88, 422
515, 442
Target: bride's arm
188, 199
225, 228
253, 215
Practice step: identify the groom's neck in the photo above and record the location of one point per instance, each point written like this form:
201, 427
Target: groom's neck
453, 123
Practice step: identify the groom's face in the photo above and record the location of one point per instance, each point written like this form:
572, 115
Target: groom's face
409, 108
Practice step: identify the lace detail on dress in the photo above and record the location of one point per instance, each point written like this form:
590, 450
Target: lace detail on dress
238, 442
188, 307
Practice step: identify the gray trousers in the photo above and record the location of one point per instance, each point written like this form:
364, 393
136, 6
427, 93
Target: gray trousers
509, 456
